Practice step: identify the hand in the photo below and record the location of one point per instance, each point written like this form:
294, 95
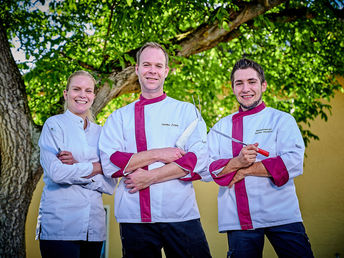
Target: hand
138, 180
239, 175
66, 157
170, 154
97, 169
247, 155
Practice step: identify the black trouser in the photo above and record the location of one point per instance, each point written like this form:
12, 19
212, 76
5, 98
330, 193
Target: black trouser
69, 249
179, 239
288, 240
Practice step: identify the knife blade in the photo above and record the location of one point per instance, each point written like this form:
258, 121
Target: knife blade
263, 152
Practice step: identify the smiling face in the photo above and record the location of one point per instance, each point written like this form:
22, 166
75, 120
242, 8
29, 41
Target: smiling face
152, 71
80, 95
248, 88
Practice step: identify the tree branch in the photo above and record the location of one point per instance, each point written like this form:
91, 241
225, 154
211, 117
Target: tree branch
290, 15
209, 35
123, 82
203, 38
81, 63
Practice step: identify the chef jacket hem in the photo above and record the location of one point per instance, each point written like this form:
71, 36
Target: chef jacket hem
225, 228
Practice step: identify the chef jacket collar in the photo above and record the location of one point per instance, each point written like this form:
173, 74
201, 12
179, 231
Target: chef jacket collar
144, 101
77, 119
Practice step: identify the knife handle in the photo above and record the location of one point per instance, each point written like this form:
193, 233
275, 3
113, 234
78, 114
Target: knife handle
263, 152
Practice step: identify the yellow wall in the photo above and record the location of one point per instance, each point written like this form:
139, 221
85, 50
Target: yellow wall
320, 190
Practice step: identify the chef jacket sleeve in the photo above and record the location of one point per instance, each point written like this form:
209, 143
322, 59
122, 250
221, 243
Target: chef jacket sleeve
290, 149
57, 171
113, 157
102, 184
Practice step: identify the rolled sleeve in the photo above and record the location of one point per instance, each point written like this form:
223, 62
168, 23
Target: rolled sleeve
218, 161
121, 160
188, 163
216, 167
278, 171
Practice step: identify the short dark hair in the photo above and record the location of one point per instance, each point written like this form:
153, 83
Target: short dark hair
152, 45
245, 63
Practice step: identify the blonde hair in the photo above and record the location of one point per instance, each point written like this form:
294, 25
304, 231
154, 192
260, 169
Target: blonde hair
89, 113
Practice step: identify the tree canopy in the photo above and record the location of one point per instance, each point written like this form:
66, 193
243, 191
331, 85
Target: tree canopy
298, 43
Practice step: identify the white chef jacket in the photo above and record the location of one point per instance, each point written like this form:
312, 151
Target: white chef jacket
258, 202
71, 207
164, 120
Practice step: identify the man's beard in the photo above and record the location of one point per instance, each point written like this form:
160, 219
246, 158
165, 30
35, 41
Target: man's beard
253, 105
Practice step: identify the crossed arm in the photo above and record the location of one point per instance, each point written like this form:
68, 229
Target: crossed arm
245, 164
66, 157
141, 178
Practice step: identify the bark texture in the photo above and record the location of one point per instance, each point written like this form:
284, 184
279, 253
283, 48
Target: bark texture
20, 170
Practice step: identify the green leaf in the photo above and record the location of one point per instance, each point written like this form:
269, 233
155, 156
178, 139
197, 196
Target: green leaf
301, 57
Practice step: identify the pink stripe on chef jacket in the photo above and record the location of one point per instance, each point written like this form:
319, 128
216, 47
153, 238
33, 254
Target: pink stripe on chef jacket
240, 188
141, 145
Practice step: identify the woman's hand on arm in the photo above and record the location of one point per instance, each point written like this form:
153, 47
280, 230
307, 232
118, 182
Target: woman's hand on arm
97, 169
66, 157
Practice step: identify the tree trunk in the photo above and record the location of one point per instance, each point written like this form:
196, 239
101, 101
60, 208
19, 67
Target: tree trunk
19, 155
